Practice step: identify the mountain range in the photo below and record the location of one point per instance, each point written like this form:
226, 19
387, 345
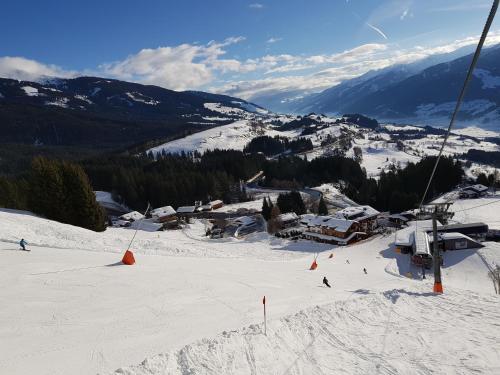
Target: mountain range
97, 112
421, 92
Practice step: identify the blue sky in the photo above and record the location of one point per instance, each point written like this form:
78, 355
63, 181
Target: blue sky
239, 47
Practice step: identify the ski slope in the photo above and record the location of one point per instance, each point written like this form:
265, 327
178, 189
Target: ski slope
73, 308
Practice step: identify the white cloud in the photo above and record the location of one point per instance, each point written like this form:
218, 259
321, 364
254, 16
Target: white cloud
179, 68
202, 66
24, 69
404, 14
339, 67
273, 40
256, 6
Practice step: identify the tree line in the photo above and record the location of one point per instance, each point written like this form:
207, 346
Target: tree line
57, 190
63, 191
270, 146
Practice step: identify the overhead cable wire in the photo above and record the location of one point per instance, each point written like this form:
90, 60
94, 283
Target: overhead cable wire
472, 66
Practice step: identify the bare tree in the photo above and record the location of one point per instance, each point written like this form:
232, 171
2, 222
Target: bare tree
274, 223
494, 275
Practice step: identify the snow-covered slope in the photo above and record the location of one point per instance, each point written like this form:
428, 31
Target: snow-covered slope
73, 308
234, 136
397, 331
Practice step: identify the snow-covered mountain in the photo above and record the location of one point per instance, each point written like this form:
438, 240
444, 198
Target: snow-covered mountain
91, 110
377, 148
421, 92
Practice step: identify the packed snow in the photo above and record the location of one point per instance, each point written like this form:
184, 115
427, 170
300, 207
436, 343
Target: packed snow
75, 309
30, 91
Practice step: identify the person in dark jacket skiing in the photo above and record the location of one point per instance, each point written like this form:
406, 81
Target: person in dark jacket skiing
23, 244
325, 281
364, 270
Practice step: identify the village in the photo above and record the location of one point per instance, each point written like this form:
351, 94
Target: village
342, 226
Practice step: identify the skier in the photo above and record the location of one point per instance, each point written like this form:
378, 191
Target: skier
23, 244
347, 261
325, 281
364, 270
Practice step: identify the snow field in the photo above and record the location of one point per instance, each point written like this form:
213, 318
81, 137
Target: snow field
78, 311
397, 331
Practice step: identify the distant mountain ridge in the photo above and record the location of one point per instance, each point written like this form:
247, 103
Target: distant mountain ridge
97, 111
422, 92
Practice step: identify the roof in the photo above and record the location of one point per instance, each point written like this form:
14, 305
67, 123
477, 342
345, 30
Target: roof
186, 209
339, 224
146, 225
216, 202
289, 216
406, 236
244, 220
477, 188
134, 215
463, 226
163, 211
421, 243
332, 238
357, 213
399, 217
454, 236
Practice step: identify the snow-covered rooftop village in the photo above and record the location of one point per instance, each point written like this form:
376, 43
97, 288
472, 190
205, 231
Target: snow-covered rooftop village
315, 199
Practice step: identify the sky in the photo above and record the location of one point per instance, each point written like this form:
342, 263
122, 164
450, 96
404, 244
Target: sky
242, 48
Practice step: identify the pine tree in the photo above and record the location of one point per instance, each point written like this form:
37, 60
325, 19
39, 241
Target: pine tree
80, 202
46, 189
322, 209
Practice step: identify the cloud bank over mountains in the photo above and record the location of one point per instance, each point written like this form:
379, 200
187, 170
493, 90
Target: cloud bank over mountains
207, 66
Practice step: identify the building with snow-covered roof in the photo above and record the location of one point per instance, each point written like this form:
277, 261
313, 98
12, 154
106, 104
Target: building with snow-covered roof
244, 225
364, 216
216, 204
333, 230
456, 241
288, 220
212, 205
187, 209
164, 214
473, 191
132, 216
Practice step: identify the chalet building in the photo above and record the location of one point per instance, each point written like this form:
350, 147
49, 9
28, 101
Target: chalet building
474, 191
216, 204
288, 220
402, 218
132, 216
333, 230
365, 217
212, 205
244, 225
164, 214
187, 211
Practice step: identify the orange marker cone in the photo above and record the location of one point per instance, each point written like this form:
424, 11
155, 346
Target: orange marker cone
128, 258
438, 288
314, 265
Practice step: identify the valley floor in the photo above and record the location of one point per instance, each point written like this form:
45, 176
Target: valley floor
70, 310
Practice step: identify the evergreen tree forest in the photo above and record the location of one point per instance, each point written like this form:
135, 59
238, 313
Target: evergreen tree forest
62, 191
57, 190
270, 146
